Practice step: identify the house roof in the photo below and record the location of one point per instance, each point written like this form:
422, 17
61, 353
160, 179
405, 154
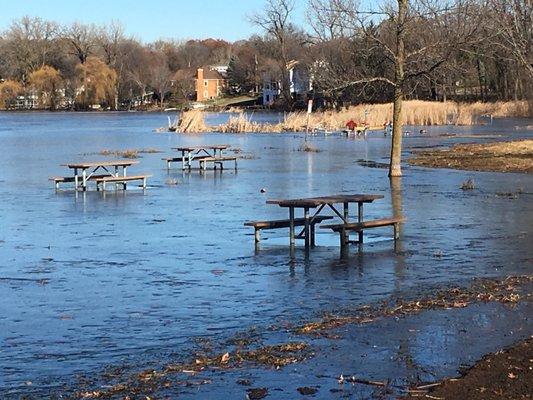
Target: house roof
212, 74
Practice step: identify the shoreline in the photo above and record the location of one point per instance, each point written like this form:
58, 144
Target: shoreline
247, 351
514, 156
506, 373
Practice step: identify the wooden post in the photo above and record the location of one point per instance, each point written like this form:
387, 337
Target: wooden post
306, 230
76, 183
360, 219
291, 225
84, 179
346, 214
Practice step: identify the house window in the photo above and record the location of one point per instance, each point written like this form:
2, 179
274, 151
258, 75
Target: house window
206, 94
268, 98
205, 83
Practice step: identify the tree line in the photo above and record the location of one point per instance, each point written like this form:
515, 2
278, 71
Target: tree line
427, 49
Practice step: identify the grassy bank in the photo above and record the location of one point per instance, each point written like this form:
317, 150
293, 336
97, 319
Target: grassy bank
416, 112
515, 156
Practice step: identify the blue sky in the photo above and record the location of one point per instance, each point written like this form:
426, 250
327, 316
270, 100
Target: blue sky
149, 20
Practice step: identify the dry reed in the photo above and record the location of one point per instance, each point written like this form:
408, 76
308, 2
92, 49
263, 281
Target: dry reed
192, 122
416, 112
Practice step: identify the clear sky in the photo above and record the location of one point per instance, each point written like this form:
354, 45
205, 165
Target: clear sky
149, 20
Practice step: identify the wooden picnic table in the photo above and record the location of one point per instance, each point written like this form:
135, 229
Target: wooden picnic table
88, 169
189, 153
320, 203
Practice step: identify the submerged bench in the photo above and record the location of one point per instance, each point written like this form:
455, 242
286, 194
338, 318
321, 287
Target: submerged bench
69, 179
121, 179
181, 160
216, 161
284, 223
359, 227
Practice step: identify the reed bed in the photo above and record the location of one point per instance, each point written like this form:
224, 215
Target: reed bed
192, 122
415, 112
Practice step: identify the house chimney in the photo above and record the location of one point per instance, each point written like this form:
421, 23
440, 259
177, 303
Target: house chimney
200, 85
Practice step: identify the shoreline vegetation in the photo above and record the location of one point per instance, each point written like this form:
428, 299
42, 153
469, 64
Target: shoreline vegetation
373, 116
507, 156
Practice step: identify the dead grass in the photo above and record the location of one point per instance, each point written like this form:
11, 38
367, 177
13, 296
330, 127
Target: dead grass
481, 290
513, 156
308, 148
128, 153
416, 112
239, 123
192, 122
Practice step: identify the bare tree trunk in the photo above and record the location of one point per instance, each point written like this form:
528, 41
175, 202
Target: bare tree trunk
397, 114
396, 149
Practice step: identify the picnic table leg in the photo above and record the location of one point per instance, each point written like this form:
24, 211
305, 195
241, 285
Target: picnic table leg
306, 217
84, 179
360, 219
189, 160
291, 225
182, 160
76, 183
345, 234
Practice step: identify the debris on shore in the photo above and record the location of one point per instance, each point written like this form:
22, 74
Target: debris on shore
505, 374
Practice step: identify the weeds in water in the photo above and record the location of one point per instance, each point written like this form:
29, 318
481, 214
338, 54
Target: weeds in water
468, 184
128, 153
308, 148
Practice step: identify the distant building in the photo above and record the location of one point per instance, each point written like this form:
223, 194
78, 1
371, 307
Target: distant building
299, 82
271, 91
28, 102
210, 83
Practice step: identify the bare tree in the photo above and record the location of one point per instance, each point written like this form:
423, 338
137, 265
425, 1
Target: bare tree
161, 77
82, 39
275, 21
515, 21
29, 40
410, 53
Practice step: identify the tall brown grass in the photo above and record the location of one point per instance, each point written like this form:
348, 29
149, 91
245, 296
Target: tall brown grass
416, 112
192, 122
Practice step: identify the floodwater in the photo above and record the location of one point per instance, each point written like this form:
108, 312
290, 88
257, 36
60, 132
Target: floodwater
135, 279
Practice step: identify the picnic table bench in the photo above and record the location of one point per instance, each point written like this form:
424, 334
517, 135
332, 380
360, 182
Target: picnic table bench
284, 223
203, 161
345, 228
121, 179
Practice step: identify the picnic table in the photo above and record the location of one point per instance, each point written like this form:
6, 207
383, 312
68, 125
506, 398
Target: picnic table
190, 153
319, 204
89, 171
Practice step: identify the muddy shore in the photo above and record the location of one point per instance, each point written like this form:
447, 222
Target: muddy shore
510, 156
505, 374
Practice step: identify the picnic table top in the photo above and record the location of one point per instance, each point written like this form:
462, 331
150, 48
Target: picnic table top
91, 164
334, 199
202, 147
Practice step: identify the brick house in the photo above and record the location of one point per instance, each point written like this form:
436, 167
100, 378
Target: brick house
209, 84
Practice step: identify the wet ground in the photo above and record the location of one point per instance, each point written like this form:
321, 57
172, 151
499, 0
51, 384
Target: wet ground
138, 279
